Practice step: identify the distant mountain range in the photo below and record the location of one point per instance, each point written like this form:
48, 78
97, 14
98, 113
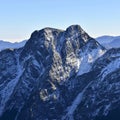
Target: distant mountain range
7, 45
109, 41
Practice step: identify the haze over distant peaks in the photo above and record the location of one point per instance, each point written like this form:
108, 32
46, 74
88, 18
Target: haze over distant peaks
109, 41
7, 45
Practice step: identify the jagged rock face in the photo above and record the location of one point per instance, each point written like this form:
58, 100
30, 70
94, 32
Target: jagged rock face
102, 101
53, 74
8, 62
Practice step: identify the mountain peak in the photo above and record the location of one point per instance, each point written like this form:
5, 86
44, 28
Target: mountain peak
74, 27
44, 32
77, 32
51, 38
62, 72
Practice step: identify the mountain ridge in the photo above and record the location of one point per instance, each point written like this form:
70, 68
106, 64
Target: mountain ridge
57, 70
109, 41
9, 45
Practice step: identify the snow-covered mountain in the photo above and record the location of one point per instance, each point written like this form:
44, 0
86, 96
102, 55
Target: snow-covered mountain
60, 75
109, 41
7, 45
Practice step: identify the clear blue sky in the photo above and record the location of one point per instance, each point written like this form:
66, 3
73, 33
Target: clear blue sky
19, 18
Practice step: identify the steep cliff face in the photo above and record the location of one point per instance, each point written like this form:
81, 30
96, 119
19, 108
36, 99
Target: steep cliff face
101, 101
55, 76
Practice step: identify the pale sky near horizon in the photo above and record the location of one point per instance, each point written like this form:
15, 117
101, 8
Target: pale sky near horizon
19, 18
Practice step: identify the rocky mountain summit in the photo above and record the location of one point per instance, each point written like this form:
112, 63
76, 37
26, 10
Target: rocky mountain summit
60, 75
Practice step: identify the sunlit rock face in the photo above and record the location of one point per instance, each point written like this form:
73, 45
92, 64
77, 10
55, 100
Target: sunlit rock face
59, 74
